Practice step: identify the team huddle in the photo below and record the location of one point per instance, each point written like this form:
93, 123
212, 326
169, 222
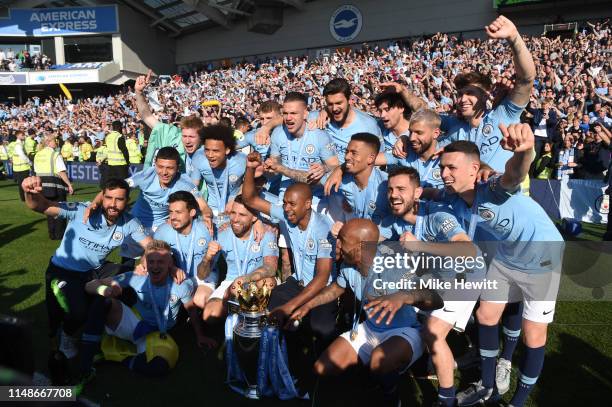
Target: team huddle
299, 204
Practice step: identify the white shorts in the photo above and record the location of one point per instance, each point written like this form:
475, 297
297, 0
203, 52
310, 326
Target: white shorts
209, 281
131, 248
538, 292
126, 327
219, 292
367, 340
458, 303
456, 313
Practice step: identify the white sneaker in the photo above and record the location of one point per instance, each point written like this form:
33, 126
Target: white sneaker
503, 371
68, 345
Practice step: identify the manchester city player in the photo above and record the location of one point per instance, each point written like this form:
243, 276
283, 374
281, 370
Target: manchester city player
412, 221
424, 142
308, 236
189, 240
157, 302
82, 253
270, 116
184, 138
296, 152
364, 186
524, 267
473, 121
247, 260
156, 184
392, 111
388, 341
221, 167
344, 119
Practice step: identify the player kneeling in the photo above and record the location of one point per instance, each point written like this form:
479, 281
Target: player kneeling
387, 347
247, 260
155, 303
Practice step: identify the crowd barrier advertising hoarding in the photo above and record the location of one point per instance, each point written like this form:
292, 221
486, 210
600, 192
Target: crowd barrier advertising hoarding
68, 76
13, 78
88, 173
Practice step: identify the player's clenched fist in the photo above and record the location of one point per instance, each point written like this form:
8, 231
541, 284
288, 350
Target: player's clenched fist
517, 137
502, 28
254, 160
213, 249
32, 185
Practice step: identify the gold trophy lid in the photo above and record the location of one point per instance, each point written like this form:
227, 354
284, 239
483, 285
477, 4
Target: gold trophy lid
252, 298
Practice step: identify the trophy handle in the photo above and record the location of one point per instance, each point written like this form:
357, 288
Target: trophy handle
233, 307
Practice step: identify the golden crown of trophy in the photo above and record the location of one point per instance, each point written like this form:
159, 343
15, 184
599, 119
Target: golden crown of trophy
252, 309
253, 299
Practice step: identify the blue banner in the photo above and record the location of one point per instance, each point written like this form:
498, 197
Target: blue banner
88, 173
52, 22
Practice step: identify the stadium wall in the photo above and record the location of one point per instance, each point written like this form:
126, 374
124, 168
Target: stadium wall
143, 46
309, 29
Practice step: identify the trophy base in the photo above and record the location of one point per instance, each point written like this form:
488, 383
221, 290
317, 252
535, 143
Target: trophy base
251, 393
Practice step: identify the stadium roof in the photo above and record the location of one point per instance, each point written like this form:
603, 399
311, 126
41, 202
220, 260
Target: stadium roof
177, 17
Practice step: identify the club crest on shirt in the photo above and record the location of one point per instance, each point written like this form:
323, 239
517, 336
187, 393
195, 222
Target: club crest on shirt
255, 248
486, 214
141, 229
310, 149
117, 236
201, 242
173, 299
436, 174
310, 244
487, 129
233, 177
372, 205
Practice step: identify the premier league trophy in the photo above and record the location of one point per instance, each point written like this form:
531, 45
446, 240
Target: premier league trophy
252, 318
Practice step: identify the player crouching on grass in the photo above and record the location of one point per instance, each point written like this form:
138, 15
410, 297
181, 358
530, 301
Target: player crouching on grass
155, 307
388, 341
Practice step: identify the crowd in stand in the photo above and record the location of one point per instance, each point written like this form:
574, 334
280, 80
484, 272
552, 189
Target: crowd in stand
23, 60
570, 105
